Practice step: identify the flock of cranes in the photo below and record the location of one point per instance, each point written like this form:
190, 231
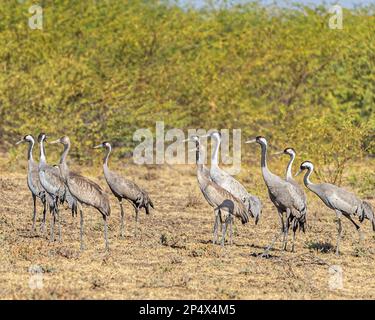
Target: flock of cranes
56, 185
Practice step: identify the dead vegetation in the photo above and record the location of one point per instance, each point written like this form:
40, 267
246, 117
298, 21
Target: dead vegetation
172, 256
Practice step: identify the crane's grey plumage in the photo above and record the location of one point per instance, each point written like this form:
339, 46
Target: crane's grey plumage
284, 196
226, 205
343, 202
123, 188
33, 181
84, 191
226, 181
52, 183
289, 177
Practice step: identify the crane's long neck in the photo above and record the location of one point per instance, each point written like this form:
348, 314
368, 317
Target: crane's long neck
312, 186
288, 173
263, 160
215, 154
198, 156
65, 153
42, 152
306, 178
30, 151
64, 169
106, 157
202, 179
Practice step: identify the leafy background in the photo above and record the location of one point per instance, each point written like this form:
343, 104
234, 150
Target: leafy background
99, 70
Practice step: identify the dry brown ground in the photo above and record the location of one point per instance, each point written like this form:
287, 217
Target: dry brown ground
172, 257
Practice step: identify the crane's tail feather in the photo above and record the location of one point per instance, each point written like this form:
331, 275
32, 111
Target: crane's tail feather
147, 202
299, 220
367, 212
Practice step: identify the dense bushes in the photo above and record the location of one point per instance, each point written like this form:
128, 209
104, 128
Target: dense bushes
101, 69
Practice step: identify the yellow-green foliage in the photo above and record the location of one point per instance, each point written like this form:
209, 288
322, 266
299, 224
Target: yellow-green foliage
101, 69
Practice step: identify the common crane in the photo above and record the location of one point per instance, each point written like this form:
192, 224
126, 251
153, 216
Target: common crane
53, 184
343, 202
84, 191
289, 177
226, 181
33, 181
284, 196
226, 206
123, 188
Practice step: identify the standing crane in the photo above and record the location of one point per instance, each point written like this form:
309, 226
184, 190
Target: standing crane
33, 181
123, 188
226, 206
226, 181
53, 184
84, 191
284, 196
343, 202
289, 177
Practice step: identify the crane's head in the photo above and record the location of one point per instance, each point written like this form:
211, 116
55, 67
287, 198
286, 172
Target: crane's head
42, 137
27, 138
306, 165
216, 135
259, 139
104, 144
290, 151
63, 140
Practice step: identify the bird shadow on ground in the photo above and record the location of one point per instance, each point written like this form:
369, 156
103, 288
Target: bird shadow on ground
263, 255
323, 247
28, 235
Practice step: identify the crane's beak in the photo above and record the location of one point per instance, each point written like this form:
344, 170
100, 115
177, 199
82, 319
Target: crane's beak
278, 153
17, 143
299, 172
98, 146
55, 141
251, 141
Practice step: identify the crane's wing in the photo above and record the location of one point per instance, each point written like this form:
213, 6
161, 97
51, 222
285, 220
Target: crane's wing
226, 181
51, 179
123, 187
87, 191
341, 199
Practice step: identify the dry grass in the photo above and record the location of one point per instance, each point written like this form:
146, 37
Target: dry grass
172, 257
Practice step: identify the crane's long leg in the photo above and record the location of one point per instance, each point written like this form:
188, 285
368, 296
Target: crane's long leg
34, 213
43, 224
216, 224
122, 219
81, 229
106, 233
286, 229
136, 221
358, 228
231, 230
339, 230
295, 227
58, 224
224, 231
266, 251
53, 218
